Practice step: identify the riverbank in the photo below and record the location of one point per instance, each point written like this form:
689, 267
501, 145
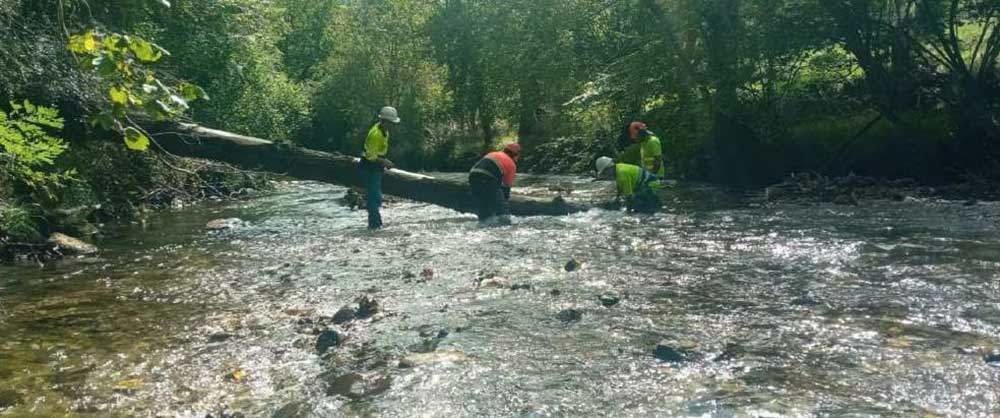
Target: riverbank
108, 184
851, 190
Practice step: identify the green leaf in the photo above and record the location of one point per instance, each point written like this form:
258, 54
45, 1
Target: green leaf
118, 96
136, 140
144, 50
190, 91
104, 120
85, 43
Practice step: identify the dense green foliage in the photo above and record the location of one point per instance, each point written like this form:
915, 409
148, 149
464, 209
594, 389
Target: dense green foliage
741, 91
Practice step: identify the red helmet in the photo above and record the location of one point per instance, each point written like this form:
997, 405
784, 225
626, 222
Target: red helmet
513, 149
636, 128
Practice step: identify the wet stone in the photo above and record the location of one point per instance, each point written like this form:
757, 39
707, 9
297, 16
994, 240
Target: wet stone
555, 292
9, 398
223, 224
608, 300
521, 286
358, 386
569, 315
345, 314
69, 245
993, 358
674, 351
573, 265
368, 306
293, 410
327, 340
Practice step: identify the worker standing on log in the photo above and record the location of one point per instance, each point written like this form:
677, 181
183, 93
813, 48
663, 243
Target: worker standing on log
635, 184
639, 146
490, 181
374, 163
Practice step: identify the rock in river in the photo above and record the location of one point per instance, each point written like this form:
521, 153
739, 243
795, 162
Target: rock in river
993, 358
573, 265
69, 245
569, 315
9, 398
608, 300
674, 351
368, 306
221, 224
345, 314
358, 386
437, 357
327, 340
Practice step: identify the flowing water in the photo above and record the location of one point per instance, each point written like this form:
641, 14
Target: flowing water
887, 309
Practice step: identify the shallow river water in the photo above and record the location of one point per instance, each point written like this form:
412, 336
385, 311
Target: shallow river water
886, 309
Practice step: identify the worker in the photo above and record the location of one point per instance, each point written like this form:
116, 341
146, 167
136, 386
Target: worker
490, 181
636, 185
639, 146
374, 163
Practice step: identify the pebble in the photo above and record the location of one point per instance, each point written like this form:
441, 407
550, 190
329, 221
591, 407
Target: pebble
569, 315
573, 265
437, 357
326, 340
345, 314
358, 386
608, 300
674, 351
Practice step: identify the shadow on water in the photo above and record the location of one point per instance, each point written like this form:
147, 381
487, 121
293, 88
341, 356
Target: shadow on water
786, 310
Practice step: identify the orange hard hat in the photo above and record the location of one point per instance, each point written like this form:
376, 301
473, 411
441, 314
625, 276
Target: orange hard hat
635, 128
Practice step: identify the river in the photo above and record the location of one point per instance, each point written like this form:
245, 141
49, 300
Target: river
884, 309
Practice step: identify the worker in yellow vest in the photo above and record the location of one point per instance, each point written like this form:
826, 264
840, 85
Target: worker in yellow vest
636, 185
639, 146
374, 162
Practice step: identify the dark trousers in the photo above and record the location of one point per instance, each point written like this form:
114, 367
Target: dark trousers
646, 201
372, 174
488, 196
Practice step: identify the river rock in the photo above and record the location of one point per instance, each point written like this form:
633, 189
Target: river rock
327, 340
573, 265
293, 410
608, 300
9, 399
69, 245
222, 224
367, 307
521, 286
993, 358
344, 315
674, 351
495, 283
569, 315
358, 386
437, 357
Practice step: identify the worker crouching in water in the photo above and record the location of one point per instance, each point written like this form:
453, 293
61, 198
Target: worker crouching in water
636, 185
490, 181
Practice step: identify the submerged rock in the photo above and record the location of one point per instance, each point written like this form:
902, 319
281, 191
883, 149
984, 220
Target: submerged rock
69, 245
608, 300
358, 386
293, 410
345, 314
437, 357
674, 351
327, 339
495, 283
993, 358
221, 224
367, 307
573, 265
569, 315
9, 399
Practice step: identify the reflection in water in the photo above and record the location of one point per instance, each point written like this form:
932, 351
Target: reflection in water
883, 309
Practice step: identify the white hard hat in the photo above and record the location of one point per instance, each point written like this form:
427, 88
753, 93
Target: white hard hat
603, 164
390, 114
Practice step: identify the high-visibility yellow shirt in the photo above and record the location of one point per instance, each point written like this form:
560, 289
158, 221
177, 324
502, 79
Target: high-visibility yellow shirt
632, 179
652, 153
376, 144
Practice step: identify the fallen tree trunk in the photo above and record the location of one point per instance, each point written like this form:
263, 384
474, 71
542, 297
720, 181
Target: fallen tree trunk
255, 154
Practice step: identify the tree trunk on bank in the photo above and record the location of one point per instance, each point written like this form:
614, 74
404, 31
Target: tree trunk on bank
257, 154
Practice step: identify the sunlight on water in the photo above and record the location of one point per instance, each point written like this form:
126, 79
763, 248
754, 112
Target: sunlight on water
885, 309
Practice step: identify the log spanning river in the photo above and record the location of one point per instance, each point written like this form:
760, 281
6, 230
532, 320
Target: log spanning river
719, 307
